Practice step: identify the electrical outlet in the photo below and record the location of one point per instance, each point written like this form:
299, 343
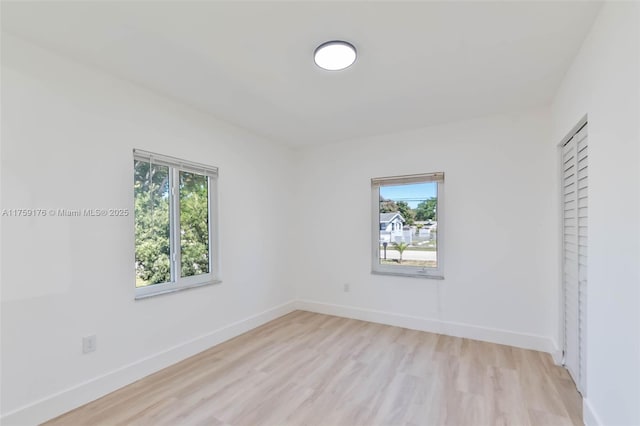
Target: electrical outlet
346, 288
88, 344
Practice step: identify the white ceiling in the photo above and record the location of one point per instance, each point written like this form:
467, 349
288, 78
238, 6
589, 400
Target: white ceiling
251, 63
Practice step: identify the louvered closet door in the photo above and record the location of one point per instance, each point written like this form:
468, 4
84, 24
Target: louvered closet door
575, 206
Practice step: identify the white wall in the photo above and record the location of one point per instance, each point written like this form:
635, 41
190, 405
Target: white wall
603, 83
67, 138
499, 241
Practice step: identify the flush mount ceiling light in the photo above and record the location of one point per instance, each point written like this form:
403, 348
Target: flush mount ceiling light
335, 55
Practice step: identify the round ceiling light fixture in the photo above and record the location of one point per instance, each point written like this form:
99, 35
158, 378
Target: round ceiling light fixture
335, 55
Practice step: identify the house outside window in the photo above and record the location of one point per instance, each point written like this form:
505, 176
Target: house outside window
175, 205
407, 225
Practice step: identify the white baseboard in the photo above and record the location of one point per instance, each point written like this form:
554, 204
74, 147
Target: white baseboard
487, 334
82, 393
589, 416
556, 353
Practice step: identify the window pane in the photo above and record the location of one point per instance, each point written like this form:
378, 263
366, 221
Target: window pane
409, 225
194, 224
151, 192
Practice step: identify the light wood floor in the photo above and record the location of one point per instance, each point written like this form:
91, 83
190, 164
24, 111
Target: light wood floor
312, 369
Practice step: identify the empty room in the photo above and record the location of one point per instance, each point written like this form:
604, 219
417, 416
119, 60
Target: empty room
331, 213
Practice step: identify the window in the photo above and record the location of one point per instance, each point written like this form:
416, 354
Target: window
175, 224
407, 224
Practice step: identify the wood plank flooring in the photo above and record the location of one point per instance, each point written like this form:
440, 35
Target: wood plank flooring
311, 369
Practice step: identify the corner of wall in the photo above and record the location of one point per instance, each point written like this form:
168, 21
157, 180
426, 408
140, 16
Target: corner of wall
556, 352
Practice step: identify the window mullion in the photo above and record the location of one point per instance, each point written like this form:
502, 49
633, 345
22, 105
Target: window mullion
175, 225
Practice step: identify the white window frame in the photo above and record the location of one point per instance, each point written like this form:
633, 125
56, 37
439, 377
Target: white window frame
406, 270
178, 282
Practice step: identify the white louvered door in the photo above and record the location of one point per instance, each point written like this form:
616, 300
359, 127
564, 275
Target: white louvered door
574, 253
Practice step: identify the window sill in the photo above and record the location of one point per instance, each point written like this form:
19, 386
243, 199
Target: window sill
410, 275
175, 290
